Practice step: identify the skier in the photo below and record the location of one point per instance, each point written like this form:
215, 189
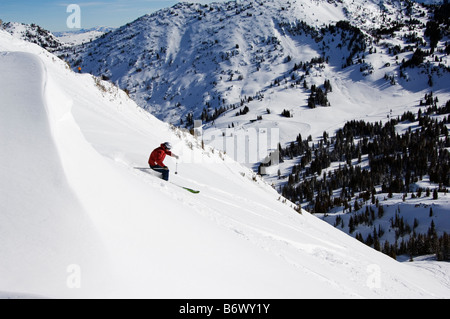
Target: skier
157, 158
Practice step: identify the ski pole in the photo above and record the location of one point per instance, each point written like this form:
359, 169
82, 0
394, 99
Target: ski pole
176, 169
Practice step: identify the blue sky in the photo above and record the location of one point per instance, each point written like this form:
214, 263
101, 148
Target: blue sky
52, 14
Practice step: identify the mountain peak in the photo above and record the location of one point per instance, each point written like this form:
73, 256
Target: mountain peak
230, 52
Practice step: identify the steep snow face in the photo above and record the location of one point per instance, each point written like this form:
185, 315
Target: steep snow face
68, 182
44, 227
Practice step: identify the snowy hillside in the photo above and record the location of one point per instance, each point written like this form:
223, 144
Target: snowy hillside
78, 220
81, 36
267, 55
56, 40
34, 34
273, 70
262, 66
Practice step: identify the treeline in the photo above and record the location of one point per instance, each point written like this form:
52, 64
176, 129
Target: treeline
440, 21
407, 240
351, 37
435, 31
394, 160
370, 155
412, 245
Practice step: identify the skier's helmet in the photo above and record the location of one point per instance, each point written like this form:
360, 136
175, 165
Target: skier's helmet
168, 146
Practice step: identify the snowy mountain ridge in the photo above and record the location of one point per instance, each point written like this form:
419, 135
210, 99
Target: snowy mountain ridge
82, 205
34, 34
236, 53
248, 67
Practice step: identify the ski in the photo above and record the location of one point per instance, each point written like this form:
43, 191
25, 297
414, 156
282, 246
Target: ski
188, 189
150, 171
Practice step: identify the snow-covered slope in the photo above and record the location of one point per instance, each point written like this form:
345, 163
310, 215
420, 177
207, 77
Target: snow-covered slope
209, 45
212, 62
40, 214
243, 53
34, 34
78, 220
81, 36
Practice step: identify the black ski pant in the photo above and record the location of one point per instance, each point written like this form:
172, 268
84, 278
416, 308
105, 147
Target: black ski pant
163, 170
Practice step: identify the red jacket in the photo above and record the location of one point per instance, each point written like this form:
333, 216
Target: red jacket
158, 156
